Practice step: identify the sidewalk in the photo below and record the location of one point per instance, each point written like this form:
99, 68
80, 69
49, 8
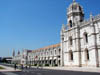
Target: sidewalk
7, 69
81, 69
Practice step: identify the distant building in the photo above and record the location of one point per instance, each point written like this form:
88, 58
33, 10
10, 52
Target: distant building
6, 60
21, 58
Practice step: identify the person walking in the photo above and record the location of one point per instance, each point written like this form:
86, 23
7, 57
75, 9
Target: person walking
29, 66
26, 66
15, 66
22, 67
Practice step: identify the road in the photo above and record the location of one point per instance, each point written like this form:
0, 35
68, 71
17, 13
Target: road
35, 71
41, 71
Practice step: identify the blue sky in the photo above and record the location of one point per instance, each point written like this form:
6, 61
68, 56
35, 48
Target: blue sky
32, 24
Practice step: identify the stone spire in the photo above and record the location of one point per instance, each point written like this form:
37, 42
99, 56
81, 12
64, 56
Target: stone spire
18, 52
13, 53
63, 27
91, 18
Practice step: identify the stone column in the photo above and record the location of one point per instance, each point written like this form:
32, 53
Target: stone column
52, 62
62, 44
78, 45
62, 53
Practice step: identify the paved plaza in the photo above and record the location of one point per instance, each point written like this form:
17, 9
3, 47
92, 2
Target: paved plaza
35, 71
50, 71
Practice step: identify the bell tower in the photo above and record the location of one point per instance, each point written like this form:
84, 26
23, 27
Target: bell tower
74, 14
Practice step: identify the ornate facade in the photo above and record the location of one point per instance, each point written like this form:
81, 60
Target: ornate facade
79, 46
21, 58
80, 42
47, 56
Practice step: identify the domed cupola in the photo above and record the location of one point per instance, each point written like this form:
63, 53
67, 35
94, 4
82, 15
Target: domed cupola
74, 14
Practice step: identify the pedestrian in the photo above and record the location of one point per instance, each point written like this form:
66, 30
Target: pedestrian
37, 66
41, 66
26, 66
21, 66
29, 66
15, 66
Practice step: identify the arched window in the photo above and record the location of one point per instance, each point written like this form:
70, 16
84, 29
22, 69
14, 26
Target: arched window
70, 55
62, 38
59, 51
87, 54
70, 23
55, 52
86, 37
51, 52
70, 40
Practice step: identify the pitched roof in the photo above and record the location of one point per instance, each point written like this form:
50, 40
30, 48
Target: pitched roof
47, 47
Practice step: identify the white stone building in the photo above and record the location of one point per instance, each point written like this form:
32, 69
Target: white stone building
80, 41
79, 46
21, 58
47, 56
